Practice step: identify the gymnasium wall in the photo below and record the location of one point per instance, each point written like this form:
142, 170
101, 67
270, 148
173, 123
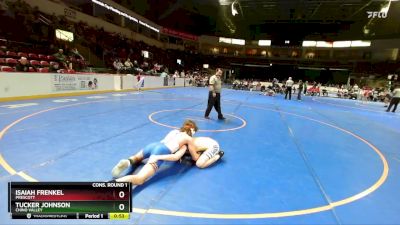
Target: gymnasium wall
47, 84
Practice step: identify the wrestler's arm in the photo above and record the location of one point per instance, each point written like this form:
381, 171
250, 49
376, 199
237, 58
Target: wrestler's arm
169, 157
193, 150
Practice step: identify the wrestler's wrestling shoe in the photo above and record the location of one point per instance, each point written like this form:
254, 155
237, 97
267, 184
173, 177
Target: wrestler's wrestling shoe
120, 167
221, 153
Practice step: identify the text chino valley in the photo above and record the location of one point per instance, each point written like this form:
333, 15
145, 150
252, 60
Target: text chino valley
38, 206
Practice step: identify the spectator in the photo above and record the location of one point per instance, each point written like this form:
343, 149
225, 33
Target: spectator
164, 74
387, 97
176, 74
54, 67
61, 58
75, 53
118, 65
300, 90
128, 65
305, 87
23, 65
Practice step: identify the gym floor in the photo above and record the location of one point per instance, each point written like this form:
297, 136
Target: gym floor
317, 161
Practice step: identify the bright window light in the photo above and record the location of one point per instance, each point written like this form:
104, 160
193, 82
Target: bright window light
64, 35
360, 43
264, 42
309, 43
341, 44
232, 41
238, 42
338, 69
324, 44
311, 68
145, 54
225, 40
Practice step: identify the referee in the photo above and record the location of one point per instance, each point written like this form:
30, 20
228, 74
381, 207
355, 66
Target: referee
214, 95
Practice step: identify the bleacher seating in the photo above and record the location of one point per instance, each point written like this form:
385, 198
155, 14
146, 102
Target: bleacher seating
42, 57
44, 63
43, 70
35, 63
6, 69
11, 54
11, 61
22, 54
32, 56
52, 63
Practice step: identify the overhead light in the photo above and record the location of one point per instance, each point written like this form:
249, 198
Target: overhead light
338, 69
238, 41
341, 44
324, 44
386, 7
233, 9
224, 2
225, 40
264, 42
255, 65
287, 42
124, 15
360, 43
309, 43
311, 68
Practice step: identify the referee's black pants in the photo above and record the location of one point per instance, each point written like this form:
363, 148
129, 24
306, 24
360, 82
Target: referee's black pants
288, 91
393, 102
214, 102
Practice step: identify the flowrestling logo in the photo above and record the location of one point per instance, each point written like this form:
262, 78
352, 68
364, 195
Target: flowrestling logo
376, 14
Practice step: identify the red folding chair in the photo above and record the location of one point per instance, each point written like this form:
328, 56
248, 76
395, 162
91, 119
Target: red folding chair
35, 63
11, 61
44, 63
43, 70
7, 69
22, 54
41, 56
11, 54
32, 56
50, 57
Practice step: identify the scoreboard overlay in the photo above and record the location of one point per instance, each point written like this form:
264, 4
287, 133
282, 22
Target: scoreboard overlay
69, 200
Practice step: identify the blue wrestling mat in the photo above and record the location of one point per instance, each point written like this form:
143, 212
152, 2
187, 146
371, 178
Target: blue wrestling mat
316, 161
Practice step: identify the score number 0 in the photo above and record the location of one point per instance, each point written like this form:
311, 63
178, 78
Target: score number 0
121, 195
